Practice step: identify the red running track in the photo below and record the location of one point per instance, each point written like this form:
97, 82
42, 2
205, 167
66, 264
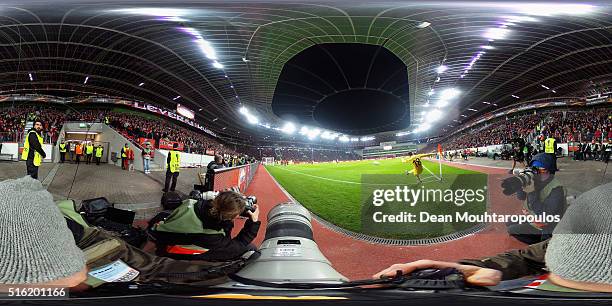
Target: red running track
358, 259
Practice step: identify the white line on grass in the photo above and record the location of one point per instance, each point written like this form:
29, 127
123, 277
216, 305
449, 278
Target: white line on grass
439, 179
349, 182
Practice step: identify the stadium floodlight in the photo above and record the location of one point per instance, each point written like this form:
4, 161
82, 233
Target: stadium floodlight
520, 19
423, 25
367, 138
288, 128
31, 78
86, 79
304, 130
251, 119
354, 139
217, 65
554, 91
243, 110
174, 99
141, 84
343, 138
435, 115
515, 96
496, 33
312, 134
431, 92
153, 11
441, 69
487, 47
449, 94
544, 86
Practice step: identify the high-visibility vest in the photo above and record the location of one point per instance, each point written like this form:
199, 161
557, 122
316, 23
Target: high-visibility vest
26, 149
549, 145
175, 161
125, 152
543, 194
99, 151
89, 149
62, 148
106, 120
79, 149
184, 220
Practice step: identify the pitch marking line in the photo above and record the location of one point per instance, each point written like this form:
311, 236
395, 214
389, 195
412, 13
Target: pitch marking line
355, 183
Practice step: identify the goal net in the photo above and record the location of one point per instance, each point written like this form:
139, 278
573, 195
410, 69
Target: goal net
268, 160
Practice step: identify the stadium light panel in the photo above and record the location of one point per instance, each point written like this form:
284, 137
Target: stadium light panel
496, 33
435, 115
448, 94
423, 25
251, 119
217, 65
31, 78
288, 128
516, 97
544, 86
343, 138
367, 138
86, 79
174, 99
441, 69
517, 19
312, 134
487, 47
243, 110
354, 139
431, 92
152, 11
141, 84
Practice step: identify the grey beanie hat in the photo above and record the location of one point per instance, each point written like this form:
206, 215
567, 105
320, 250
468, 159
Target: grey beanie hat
581, 246
36, 245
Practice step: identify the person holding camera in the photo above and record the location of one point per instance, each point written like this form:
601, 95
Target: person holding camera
201, 229
542, 194
577, 256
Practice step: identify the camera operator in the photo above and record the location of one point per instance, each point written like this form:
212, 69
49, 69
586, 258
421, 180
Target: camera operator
202, 229
577, 256
217, 163
542, 194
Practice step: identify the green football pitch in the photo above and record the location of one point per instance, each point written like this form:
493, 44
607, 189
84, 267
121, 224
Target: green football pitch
333, 191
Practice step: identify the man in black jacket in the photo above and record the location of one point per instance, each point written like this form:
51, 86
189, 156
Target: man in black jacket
201, 230
217, 163
33, 152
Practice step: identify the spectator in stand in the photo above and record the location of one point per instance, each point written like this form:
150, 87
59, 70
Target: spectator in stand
146, 157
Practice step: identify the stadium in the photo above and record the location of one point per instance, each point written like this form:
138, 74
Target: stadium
332, 151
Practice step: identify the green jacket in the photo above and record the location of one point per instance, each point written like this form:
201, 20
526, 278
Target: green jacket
515, 263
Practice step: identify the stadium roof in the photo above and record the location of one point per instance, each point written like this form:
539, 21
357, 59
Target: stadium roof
223, 59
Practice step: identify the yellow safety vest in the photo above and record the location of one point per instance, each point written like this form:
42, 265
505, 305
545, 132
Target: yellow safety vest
62, 148
26, 149
89, 150
125, 151
175, 161
99, 151
549, 145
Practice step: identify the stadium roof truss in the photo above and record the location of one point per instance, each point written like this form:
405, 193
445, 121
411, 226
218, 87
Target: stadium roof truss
215, 57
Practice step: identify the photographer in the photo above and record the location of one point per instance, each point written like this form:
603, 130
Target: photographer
202, 229
542, 194
577, 256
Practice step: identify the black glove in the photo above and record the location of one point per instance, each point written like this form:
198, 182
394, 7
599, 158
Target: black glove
511, 185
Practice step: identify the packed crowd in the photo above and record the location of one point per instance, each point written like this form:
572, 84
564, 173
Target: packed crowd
566, 126
305, 155
133, 126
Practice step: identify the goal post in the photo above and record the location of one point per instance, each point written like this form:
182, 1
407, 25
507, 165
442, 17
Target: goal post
268, 160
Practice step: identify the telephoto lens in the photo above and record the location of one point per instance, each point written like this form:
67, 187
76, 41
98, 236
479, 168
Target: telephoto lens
289, 253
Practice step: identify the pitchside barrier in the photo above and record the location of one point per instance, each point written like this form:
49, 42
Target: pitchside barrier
240, 177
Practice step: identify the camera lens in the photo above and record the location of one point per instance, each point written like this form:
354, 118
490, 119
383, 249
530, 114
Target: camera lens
289, 219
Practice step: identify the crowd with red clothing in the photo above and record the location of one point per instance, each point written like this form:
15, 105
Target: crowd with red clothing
130, 124
564, 125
